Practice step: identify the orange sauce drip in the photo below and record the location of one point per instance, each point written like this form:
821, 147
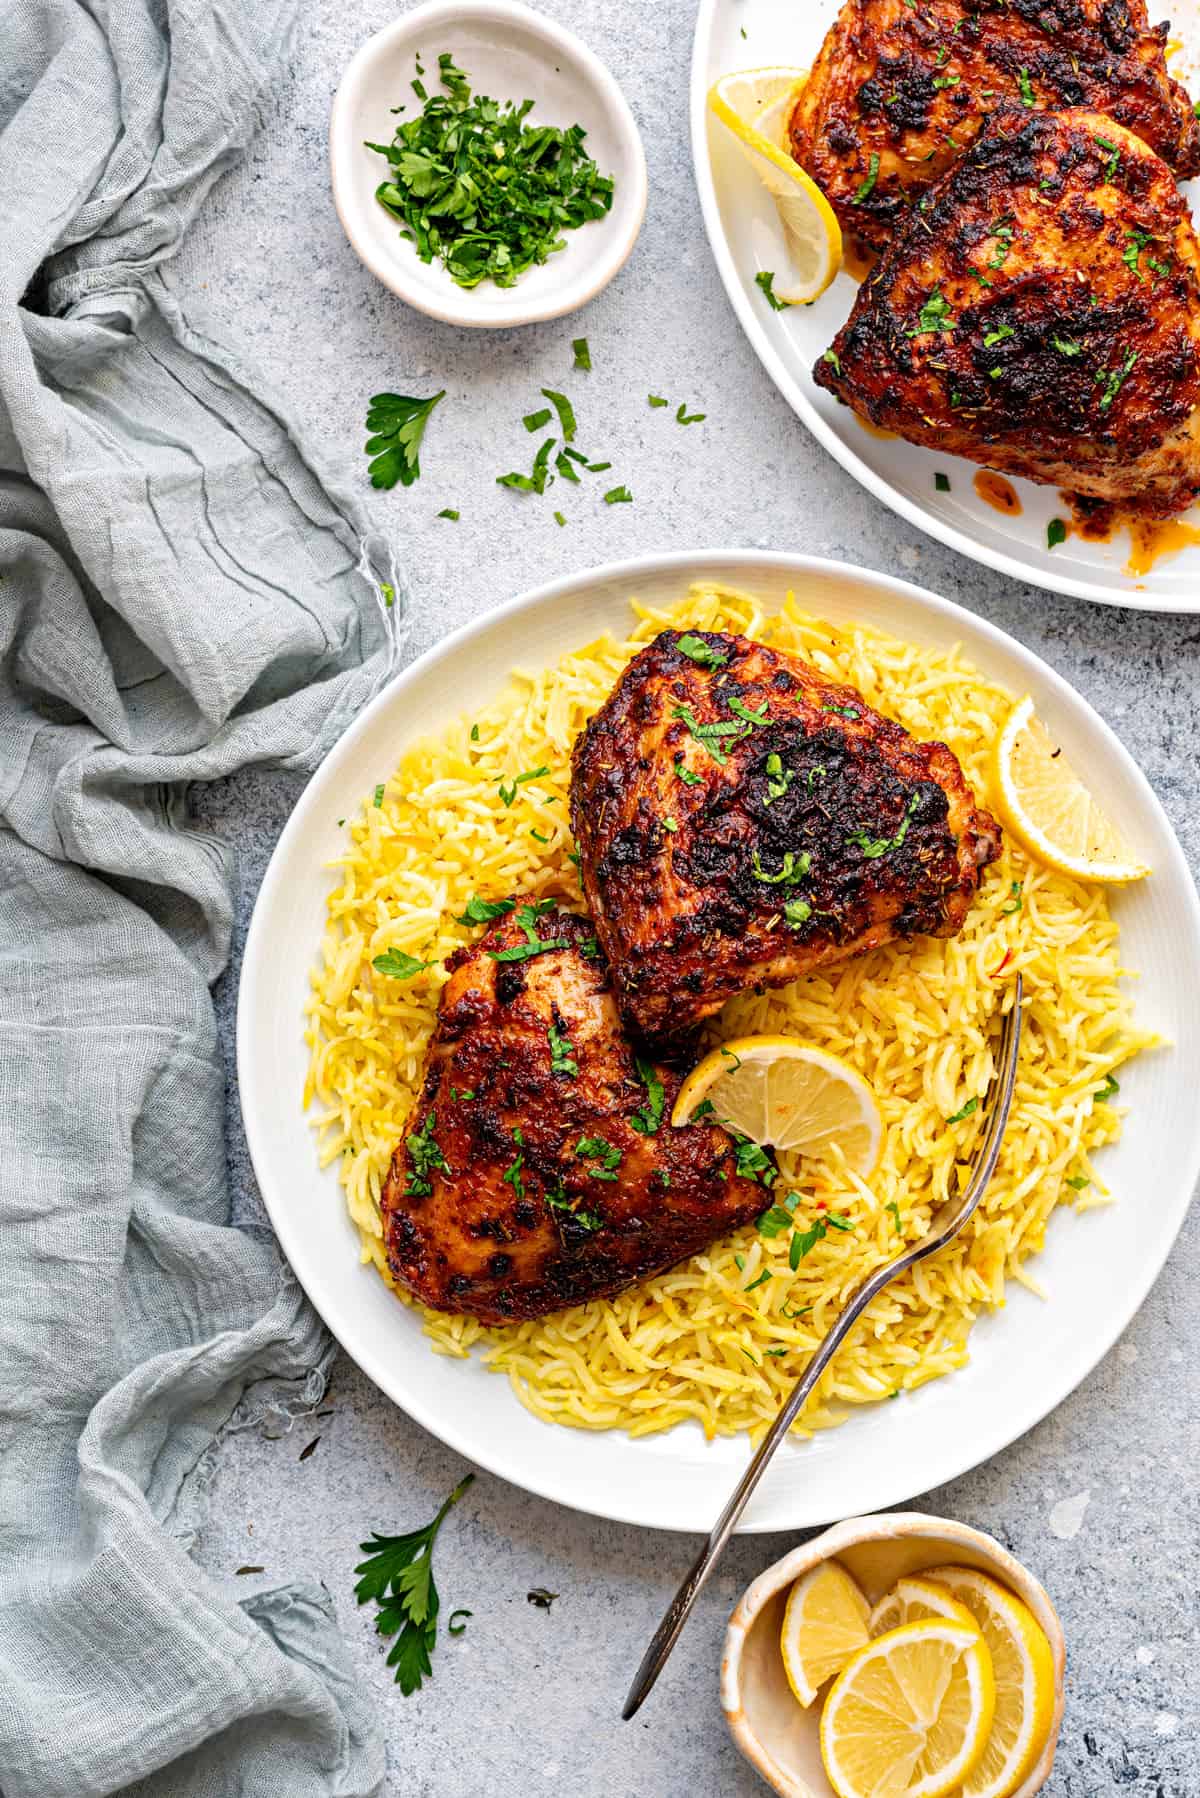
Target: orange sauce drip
1152, 538
997, 492
857, 260
875, 430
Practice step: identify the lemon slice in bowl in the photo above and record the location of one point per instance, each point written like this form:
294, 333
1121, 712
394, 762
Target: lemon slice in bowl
826, 1620
912, 1599
1023, 1670
756, 105
911, 1713
1050, 811
790, 1094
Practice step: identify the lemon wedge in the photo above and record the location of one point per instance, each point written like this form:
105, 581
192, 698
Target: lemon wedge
756, 105
912, 1599
776, 1090
1023, 1669
909, 1716
827, 1619
1048, 809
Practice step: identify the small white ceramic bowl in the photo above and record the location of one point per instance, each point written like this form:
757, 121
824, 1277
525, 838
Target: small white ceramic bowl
777, 1735
510, 53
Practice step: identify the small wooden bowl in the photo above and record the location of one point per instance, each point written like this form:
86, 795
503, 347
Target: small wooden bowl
777, 1735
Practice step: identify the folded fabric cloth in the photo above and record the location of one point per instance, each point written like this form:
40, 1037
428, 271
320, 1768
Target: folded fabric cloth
181, 595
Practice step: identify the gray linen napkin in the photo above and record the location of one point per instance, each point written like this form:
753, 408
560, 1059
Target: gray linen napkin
180, 595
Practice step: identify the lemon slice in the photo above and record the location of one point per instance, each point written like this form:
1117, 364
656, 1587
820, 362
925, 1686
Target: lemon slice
756, 105
912, 1599
1023, 1669
909, 1715
1048, 809
776, 1090
826, 1621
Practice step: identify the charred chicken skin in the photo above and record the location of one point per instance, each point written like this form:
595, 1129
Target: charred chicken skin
540, 1168
742, 820
899, 91
1040, 313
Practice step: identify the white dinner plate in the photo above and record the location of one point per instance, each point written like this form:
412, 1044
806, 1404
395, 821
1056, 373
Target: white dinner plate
743, 229
1025, 1359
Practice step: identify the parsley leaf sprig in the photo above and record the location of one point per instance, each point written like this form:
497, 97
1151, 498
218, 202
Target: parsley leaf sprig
649, 1116
397, 423
476, 186
398, 1575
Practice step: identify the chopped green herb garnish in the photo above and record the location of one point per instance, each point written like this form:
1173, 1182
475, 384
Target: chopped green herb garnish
999, 335
897, 1222
565, 410
1111, 166
872, 175
539, 836
765, 280
794, 868
655, 400
697, 650
778, 1218
583, 355
797, 912
946, 80
760, 1281
874, 847
834, 361
453, 1626
1066, 346
617, 496
1015, 901
935, 315
512, 1174
606, 1159
586, 1220
398, 965
1078, 1181
396, 423
566, 467
752, 1161
684, 417
482, 911
1028, 96
941, 482
559, 519
509, 793
537, 421
1109, 1090
484, 191
843, 711
474, 733
1136, 242
398, 1575
708, 733
1056, 533
449, 512
779, 778
527, 917
425, 1159
803, 1241
749, 717
378, 799
649, 1116
671, 825
968, 1110
599, 468
1113, 381
685, 774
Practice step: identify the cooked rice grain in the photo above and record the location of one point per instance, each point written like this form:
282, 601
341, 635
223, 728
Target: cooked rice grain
917, 1019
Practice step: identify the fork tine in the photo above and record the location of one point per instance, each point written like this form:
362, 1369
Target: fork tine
999, 1096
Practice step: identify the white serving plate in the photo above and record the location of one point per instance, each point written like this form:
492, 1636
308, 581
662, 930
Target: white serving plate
1026, 1359
743, 230
509, 52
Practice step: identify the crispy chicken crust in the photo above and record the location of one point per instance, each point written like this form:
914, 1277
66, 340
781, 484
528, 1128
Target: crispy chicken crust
528, 1180
746, 821
900, 90
1041, 314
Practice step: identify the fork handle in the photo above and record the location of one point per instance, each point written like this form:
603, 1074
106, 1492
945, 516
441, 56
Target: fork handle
667, 1633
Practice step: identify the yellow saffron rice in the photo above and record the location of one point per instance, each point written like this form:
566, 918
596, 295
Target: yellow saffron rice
708, 1340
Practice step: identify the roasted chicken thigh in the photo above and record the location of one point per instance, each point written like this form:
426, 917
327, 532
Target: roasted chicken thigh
1040, 312
741, 819
900, 90
540, 1168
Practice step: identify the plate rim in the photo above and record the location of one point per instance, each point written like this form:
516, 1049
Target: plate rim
790, 390
286, 1220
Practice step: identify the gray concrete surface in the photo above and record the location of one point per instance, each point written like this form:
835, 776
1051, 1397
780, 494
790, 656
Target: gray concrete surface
529, 1700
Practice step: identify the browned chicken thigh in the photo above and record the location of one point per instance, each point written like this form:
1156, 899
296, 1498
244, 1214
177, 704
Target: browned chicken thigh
540, 1168
1040, 313
741, 820
900, 90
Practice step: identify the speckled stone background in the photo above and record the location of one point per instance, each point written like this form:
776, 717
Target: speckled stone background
1101, 1500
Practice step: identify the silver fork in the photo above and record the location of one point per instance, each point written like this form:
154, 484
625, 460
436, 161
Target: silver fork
944, 1226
